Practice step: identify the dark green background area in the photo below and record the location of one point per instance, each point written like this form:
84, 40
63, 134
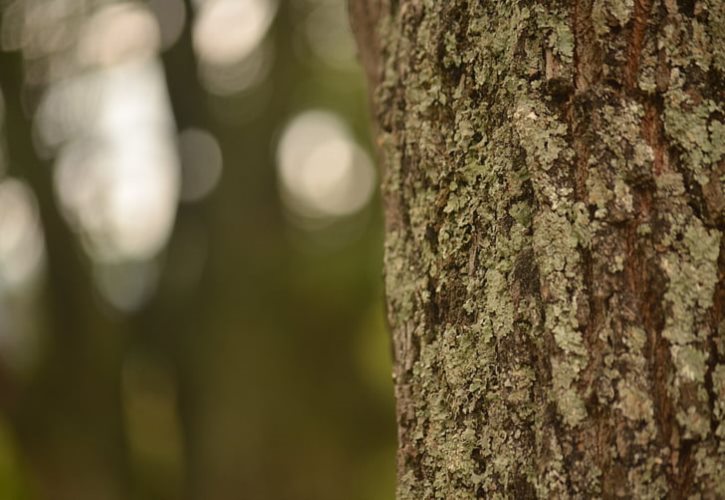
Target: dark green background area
270, 338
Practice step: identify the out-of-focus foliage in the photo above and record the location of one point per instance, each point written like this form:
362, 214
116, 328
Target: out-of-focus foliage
190, 246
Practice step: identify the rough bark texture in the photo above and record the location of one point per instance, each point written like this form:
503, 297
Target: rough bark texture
554, 261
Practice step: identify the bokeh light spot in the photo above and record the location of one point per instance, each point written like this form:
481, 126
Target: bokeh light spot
119, 32
227, 80
323, 172
127, 285
118, 181
229, 42
21, 238
201, 163
227, 31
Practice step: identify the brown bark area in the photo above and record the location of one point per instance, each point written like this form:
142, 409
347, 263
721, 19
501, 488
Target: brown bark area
554, 256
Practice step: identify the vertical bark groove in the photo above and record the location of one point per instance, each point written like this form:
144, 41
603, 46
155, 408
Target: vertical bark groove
640, 17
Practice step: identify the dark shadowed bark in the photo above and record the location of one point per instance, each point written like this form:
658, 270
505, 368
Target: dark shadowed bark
553, 185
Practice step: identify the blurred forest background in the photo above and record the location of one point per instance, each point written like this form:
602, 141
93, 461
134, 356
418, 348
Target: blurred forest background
190, 253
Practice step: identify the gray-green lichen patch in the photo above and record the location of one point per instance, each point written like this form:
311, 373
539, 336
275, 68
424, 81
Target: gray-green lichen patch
692, 129
692, 273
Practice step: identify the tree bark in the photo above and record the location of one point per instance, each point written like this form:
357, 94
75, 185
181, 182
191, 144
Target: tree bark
554, 261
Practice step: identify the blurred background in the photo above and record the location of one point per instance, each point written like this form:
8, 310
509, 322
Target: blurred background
190, 254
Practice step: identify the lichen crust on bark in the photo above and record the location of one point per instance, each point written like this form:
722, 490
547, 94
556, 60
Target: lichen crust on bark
554, 255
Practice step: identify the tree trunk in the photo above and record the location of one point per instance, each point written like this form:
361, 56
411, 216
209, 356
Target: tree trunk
554, 266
